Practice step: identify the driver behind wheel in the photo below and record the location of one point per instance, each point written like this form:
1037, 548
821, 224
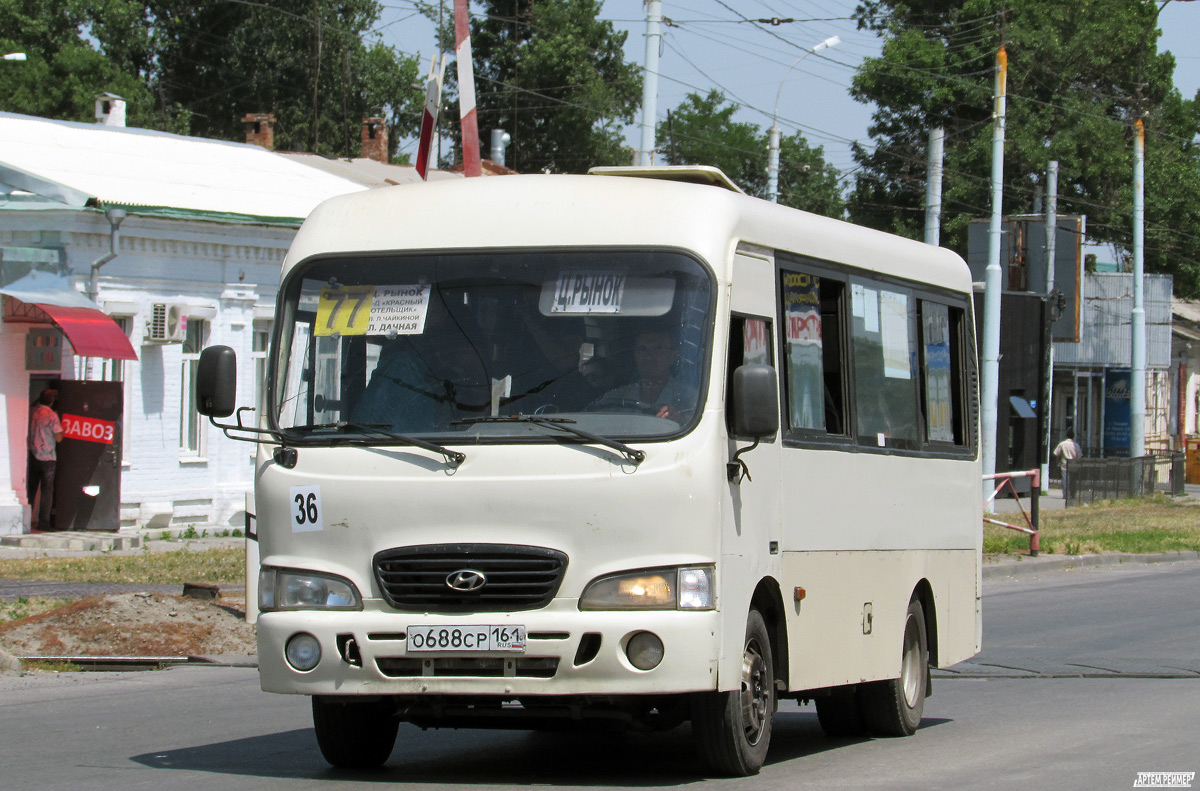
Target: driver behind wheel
658, 388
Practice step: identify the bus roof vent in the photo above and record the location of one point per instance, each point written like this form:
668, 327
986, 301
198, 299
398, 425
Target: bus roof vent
691, 174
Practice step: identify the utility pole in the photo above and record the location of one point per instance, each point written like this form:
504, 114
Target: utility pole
650, 81
990, 376
933, 187
1047, 394
1137, 359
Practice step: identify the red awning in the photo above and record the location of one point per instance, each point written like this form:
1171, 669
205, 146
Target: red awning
44, 296
92, 332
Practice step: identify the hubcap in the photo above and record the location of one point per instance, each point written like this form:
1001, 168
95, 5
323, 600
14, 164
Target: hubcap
756, 692
911, 671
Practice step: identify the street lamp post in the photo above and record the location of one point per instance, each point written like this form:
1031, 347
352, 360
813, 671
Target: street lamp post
15, 56
773, 139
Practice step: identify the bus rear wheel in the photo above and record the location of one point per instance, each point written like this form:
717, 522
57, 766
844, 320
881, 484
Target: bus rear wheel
733, 729
894, 707
354, 734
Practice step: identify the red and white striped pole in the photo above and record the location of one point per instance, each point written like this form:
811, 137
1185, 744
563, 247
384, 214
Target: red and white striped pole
466, 91
433, 99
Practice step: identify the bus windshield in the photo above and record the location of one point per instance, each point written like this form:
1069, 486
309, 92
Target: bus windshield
469, 346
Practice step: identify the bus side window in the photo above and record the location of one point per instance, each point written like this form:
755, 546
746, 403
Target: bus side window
885, 392
814, 352
942, 385
749, 344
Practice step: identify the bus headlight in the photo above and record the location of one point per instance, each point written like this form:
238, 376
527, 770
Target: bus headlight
293, 589
675, 588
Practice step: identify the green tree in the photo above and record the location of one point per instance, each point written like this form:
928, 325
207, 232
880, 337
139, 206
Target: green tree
197, 67
305, 61
702, 131
554, 77
1079, 74
65, 71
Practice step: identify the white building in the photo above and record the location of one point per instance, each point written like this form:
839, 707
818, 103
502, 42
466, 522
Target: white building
153, 228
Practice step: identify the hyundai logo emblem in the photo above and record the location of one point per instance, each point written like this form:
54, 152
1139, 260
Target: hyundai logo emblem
466, 580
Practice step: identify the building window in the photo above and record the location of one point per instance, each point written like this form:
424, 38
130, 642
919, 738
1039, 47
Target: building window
191, 427
260, 342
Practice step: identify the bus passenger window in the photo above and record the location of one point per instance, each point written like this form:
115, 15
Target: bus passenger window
813, 352
941, 372
885, 393
935, 348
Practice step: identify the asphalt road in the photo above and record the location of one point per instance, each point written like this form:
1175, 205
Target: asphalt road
1087, 678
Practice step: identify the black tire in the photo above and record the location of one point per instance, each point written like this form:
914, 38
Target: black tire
354, 734
894, 707
840, 714
733, 729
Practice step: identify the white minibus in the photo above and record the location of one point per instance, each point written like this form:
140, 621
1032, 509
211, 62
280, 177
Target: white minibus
622, 448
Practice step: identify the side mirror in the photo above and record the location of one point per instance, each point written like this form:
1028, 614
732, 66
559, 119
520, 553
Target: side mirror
755, 401
216, 382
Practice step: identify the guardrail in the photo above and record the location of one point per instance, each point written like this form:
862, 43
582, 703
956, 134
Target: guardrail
1004, 480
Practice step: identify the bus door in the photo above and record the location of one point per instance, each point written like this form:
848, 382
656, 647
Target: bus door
755, 490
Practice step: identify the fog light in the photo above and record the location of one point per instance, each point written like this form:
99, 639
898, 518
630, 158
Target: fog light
644, 650
303, 651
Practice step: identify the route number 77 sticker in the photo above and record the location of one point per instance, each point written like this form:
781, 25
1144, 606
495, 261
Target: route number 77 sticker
345, 310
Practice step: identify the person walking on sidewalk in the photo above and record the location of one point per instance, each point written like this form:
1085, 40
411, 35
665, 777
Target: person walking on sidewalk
45, 432
1066, 452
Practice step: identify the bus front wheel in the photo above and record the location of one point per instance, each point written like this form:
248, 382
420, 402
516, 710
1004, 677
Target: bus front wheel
894, 707
733, 729
354, 734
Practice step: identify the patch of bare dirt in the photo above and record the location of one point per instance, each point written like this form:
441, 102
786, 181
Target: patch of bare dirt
133, 624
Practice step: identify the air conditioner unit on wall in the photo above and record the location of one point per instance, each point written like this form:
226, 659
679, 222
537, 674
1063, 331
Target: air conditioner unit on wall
168, 323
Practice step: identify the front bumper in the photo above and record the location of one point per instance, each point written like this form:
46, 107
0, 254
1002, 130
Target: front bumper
568, 652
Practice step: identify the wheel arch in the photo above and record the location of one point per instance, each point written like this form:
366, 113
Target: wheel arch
923, 593
768, 600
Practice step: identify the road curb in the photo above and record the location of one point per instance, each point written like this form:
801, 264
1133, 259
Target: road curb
1005, 566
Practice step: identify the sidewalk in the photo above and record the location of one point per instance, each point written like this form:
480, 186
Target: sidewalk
1007, 566
133, 542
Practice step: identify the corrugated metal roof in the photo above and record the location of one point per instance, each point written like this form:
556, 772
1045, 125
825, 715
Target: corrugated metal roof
1105, 334
119, 166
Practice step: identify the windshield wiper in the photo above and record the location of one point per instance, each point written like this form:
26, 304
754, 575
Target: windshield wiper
566, 424
452, 457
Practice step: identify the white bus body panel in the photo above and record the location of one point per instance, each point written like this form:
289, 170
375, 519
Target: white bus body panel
851, 527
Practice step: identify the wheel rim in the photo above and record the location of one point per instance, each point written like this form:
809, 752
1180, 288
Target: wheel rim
911, 672
756, 692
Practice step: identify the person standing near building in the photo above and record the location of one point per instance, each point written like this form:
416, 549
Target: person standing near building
1066, 452
45, 432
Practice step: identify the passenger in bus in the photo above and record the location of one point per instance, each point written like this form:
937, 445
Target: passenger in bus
403, 393
422, 379
659, 388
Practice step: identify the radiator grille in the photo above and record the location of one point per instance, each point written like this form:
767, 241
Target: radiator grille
417, 578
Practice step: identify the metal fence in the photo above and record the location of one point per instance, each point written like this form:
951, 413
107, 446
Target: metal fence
1088, 480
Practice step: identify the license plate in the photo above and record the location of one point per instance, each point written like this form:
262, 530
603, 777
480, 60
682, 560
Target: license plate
467, 639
